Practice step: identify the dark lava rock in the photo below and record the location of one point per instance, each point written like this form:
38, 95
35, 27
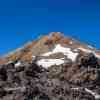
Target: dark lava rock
89, 60
64, 82
3, 73
2, 92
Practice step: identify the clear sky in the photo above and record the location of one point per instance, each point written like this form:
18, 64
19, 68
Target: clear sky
23, 20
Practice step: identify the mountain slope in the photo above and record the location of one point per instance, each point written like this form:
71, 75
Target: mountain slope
53, 67
46, 44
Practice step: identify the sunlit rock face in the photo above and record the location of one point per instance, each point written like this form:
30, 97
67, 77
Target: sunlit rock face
54, 67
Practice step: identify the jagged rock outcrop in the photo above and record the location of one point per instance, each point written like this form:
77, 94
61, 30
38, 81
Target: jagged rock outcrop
63, 82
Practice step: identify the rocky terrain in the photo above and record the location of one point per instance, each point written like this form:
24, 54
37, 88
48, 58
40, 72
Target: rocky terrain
54, 67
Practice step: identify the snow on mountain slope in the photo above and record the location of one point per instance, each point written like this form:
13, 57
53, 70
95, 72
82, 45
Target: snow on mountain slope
65, 50
89, 51
46, 63
46, 46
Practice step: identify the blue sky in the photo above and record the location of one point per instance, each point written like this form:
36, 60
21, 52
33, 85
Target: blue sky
24, 20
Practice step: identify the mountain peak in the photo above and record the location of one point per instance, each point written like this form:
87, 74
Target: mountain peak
46, 44
56, 35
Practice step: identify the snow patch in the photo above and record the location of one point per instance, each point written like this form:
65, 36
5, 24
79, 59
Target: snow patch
46, 63
18, 64
65, 50
76, 50
75, 88
97, 96
33, 56
89, 51
85, 50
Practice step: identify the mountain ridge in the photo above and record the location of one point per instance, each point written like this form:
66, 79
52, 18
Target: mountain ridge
52, 38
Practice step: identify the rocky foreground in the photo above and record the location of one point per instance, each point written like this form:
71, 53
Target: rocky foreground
72, 81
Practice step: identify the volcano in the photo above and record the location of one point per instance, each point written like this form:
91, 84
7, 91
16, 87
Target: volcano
53, 67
